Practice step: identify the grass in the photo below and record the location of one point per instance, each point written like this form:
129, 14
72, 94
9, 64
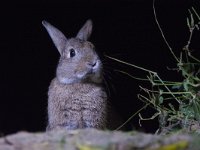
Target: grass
177, 104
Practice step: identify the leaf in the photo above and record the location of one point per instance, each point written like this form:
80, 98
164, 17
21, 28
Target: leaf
188, 112
185, 85
192, 20
160, 91
172, 107
161, 100
196, 108
188, 23
178, 86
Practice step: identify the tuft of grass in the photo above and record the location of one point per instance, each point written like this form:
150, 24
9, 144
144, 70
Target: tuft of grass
177, 104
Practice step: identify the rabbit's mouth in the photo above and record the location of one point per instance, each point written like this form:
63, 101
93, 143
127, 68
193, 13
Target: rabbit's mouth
86, 74
90, 75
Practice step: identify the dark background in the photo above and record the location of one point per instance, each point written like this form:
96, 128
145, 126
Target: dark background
122, 29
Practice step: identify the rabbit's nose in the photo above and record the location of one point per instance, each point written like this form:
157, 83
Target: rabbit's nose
92, 64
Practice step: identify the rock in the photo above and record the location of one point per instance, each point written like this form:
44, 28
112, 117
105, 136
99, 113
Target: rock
92, 139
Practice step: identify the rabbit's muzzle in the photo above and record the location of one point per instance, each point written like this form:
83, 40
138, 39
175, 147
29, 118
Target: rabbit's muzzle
92, 69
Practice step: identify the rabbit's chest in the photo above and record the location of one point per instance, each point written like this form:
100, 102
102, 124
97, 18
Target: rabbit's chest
76, 96
82, 97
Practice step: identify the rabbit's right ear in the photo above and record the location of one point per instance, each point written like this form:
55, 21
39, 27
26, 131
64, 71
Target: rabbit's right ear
85, 32
56, 35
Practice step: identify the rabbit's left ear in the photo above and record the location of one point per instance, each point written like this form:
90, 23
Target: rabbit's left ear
85, 32
56, 35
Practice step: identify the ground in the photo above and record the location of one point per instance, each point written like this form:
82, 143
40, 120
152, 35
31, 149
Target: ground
92, 139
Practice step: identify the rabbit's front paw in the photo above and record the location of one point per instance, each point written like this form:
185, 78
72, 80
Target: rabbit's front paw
71, 126
88, 124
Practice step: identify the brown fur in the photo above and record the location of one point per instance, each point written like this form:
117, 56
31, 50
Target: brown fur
76, 98
74, 105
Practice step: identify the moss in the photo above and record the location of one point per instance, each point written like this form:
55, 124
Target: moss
62, 143
89, 147
180, 145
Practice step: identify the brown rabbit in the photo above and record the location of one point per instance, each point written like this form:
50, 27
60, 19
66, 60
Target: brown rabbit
76, 98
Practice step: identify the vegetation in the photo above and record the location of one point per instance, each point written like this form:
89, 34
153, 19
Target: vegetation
177, 104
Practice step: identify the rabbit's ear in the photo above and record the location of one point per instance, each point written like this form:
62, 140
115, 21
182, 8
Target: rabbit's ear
56, 35
85, 32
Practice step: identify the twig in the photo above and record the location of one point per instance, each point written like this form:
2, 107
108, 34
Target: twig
129, 64
168, 89
157, 82
132, 116
159, 27
196, 13
147, 70
136, 78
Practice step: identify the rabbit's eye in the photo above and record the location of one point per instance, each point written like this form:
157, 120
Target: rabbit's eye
72, 52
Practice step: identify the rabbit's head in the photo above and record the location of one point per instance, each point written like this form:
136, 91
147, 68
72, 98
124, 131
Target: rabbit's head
78, 60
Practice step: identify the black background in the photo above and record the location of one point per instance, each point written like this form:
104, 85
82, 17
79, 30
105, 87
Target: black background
122, 29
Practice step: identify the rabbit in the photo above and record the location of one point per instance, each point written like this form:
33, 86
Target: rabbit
76, 97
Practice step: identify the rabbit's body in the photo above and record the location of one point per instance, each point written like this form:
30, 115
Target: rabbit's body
76, 98
78, 105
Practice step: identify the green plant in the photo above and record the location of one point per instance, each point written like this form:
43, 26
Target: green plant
177, 104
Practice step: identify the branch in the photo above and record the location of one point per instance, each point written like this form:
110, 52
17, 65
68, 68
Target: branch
159, 27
